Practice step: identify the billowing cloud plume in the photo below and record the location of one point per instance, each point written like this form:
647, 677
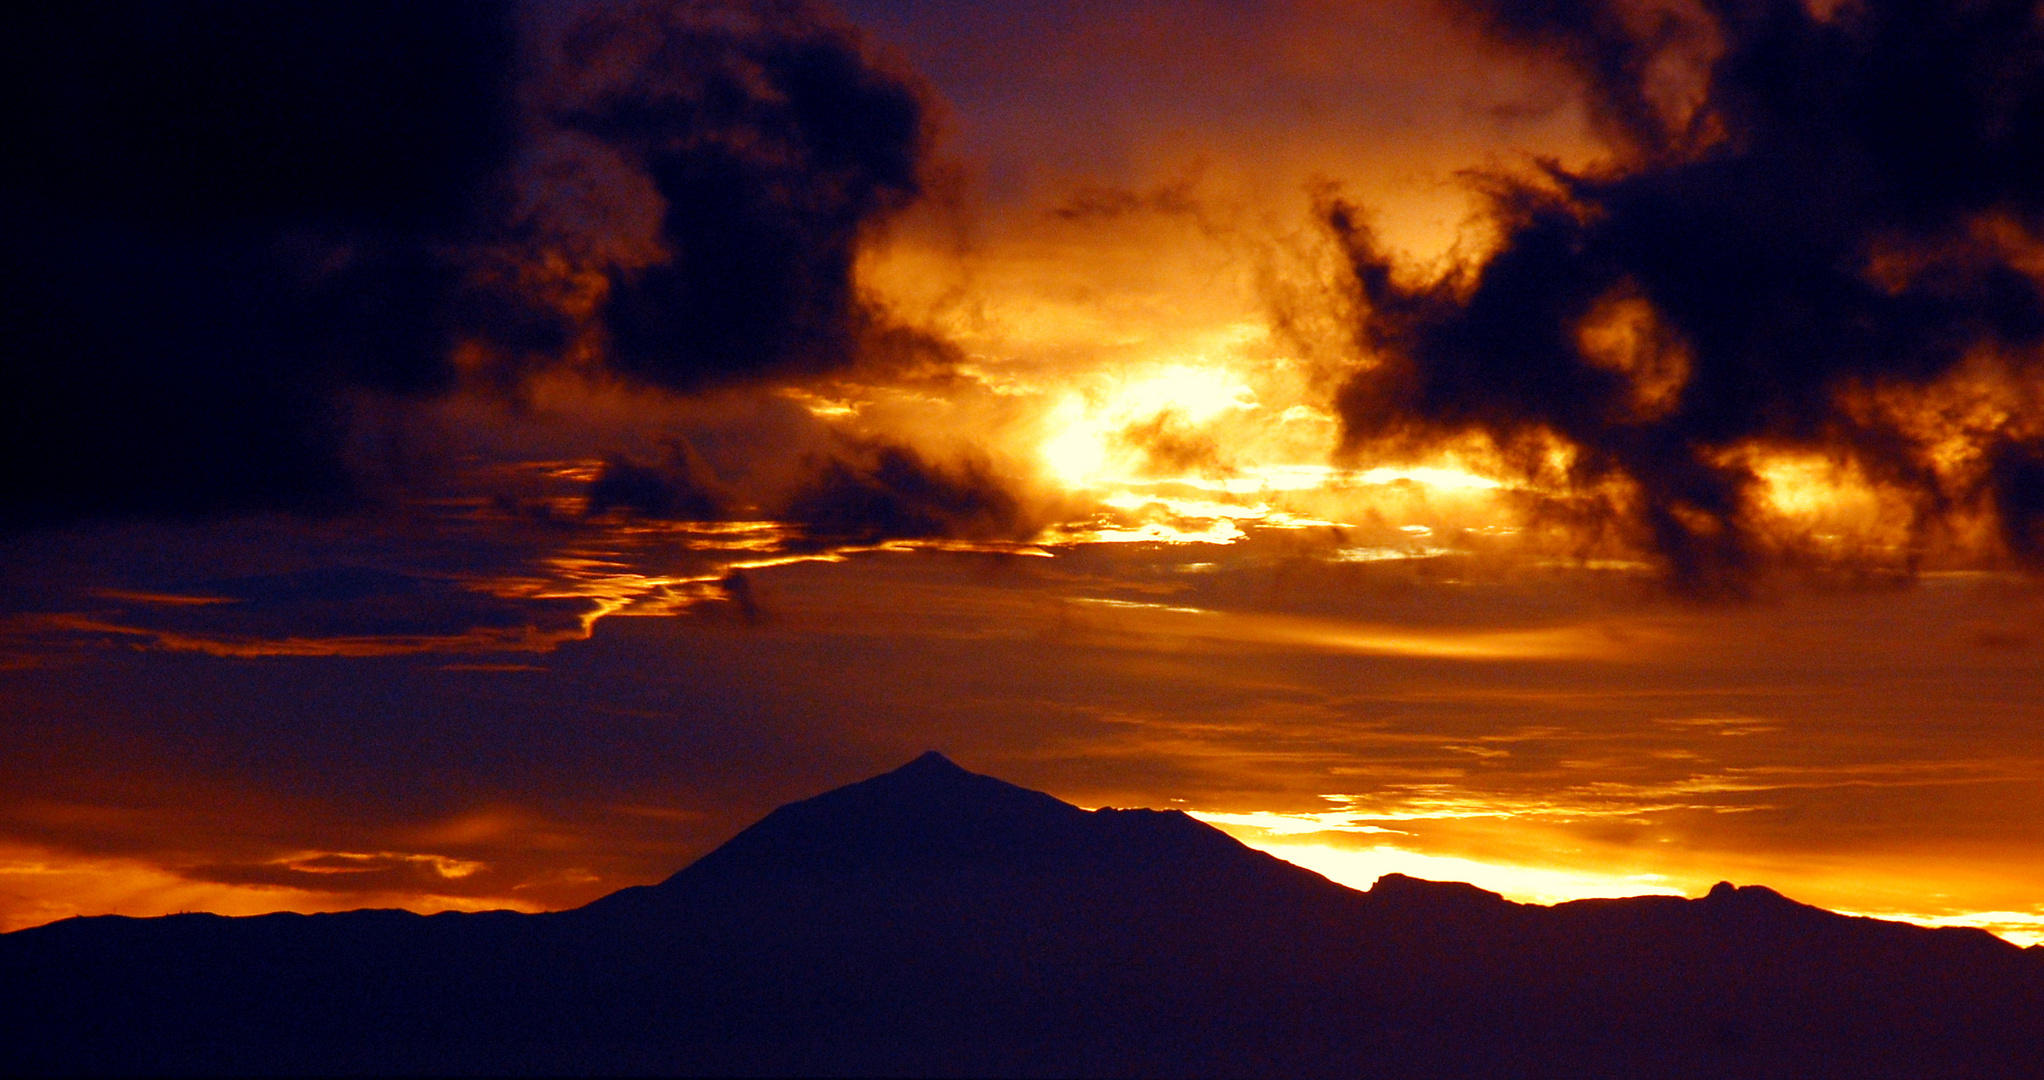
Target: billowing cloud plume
1820, 236
768, 144
232, 224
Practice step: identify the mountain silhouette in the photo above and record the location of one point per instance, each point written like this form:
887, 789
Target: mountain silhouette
931, 921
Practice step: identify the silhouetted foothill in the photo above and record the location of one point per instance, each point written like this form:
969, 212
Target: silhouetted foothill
931, 921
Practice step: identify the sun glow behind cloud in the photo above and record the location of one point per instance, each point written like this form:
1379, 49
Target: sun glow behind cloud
1093, 434
1148, 361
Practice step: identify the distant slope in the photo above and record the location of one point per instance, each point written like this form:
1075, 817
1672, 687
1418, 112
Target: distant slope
932, 921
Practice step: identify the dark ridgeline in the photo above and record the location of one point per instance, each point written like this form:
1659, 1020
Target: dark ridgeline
932, 921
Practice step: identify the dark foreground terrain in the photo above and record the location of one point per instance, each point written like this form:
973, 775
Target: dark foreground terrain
932, 921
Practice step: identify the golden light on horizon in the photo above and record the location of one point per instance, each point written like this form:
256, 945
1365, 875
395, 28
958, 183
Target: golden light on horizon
1570, 875
1359, 868
1069, 461
39, 886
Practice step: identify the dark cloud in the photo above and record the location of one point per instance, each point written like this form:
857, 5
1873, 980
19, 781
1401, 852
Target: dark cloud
228, 224
772, 145
1815, 223
890, 492
737, 591
218, 217
680, 487
329, 610
1096, 202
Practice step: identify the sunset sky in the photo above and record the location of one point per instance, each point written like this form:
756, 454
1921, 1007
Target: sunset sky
486, 458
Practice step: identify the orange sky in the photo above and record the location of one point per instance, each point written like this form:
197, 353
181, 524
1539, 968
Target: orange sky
478, 694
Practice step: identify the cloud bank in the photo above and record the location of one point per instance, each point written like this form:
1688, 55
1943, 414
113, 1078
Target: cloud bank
1817, 240
234, 226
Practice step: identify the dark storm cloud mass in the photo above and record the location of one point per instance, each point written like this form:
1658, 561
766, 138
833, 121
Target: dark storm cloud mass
1815, 222
774, 145
885, 492
218, 216
679, 487
227, 221
857, 492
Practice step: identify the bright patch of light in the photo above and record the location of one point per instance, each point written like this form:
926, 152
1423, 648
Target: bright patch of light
1452, 479
2025, 928
828, 408
1255, 479
1077, 452
1084, 430
1189, 508
1291, 824
1359, 868
1222, 531
1196, 393
1387, 554
1137, 605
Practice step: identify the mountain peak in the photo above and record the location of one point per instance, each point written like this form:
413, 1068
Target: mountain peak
929, 761
1725, 896
936, 784
929, 808
932, 817
935, 921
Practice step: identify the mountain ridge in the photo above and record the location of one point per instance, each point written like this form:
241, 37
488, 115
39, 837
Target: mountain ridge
932, 921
